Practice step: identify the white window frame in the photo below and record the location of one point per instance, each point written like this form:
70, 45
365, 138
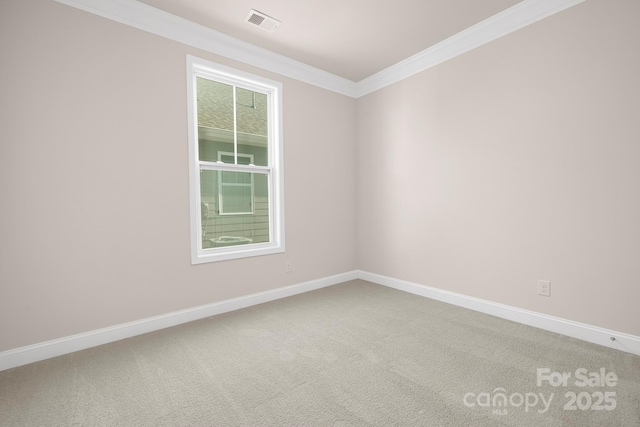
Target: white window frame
197, 67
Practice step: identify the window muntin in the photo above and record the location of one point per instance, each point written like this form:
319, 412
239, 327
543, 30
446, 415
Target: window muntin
236, 163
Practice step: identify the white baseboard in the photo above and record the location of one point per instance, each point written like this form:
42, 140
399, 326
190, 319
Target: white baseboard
45, 350
41, 351
624, 342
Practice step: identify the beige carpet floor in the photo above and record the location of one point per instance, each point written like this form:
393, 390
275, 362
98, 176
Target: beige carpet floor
353, 354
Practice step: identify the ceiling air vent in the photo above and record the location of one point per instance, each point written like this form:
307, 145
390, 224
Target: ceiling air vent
263, 21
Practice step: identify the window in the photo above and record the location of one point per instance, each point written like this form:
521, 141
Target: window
235, 150
235, 190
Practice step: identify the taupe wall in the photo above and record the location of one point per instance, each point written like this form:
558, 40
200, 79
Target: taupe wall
515, 162
94, 226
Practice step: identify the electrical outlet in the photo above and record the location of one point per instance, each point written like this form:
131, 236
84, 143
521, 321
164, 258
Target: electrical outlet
544, 288
288, 267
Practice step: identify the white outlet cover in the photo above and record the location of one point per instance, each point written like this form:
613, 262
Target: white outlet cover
544, 288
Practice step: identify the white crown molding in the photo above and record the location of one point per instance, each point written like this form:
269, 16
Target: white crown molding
593, 334
505, 22
164, 24
46, 350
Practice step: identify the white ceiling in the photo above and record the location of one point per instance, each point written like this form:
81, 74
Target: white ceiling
353, 39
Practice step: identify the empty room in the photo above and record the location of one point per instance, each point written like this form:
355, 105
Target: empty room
320, 213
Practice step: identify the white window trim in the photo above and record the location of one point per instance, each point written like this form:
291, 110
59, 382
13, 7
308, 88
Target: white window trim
203, 68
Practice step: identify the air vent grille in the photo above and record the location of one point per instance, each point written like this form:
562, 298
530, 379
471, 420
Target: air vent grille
256, 19
263, 21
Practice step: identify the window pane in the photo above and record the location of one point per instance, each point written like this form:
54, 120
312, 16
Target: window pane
235, 208
239, 178
215, 119
252, 117
236, 199
226, 158
242, 159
